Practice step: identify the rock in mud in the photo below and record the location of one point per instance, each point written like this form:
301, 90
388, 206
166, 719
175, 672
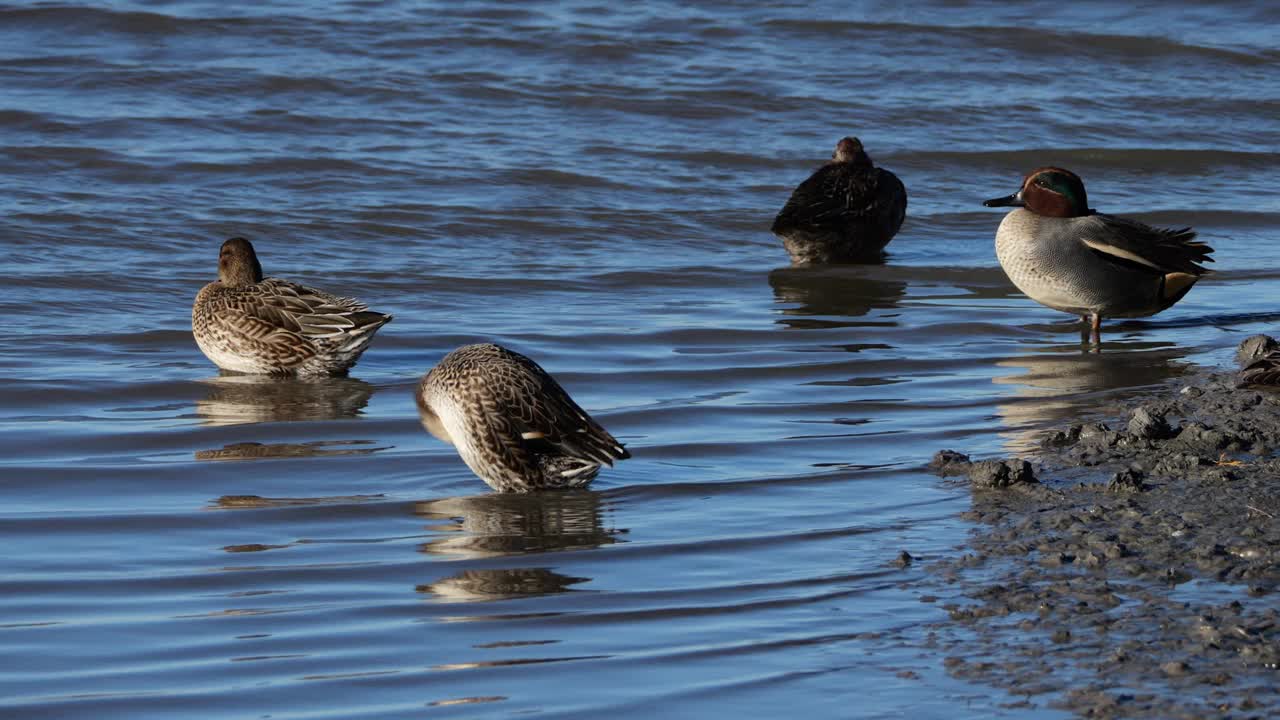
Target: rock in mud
946, 463
1128, 480
1150, 425
1001, 474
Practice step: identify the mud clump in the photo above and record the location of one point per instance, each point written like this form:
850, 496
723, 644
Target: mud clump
1001, 474
946, 463
1150, 425
983, 474
1138, 579
1128, 480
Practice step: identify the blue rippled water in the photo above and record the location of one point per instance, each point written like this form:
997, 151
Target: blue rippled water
592, 185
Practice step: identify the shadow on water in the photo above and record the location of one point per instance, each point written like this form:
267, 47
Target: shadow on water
839, 290
234, 399
1063, 384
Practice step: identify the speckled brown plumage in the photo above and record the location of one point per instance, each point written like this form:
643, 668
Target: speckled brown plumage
1259, 357
511, 422
1265, 371
847, 210
246, 323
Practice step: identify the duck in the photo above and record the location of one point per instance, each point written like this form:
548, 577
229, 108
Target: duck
511, 422
1066, 256
1259, 359
847, 210
246, 323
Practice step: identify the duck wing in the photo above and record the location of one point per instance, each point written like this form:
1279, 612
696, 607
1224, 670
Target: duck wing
526, 411
312, 313
293, 323
545, 414
1139, 246
837, 195
1263, 371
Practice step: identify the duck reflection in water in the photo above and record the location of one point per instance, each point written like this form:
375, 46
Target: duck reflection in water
488, 585
314, 448
234, 399
838, 290
1065, 386
479, 526
486, 526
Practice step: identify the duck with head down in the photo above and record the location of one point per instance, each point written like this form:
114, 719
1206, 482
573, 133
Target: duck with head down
511, 422
1064, 255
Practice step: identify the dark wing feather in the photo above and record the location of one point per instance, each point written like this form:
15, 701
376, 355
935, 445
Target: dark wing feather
542, 414
893, 197
314, 314
1136, 245
834, 196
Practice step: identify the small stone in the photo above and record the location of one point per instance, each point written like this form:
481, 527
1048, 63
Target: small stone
1200, 436
1062, 438
903, 560
1127, 481
1175, 668
1090, 431
1150, 425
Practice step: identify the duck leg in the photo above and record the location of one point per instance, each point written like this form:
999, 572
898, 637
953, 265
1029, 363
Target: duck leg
1095, 329
1084, 329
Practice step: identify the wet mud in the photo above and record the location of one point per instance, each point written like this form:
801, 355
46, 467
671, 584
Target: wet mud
1129, 568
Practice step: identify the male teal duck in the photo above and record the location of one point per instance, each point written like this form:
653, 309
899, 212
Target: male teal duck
268, 326
1064, 255
511, 422
847, 210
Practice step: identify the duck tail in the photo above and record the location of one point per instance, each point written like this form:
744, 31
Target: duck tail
1174, 286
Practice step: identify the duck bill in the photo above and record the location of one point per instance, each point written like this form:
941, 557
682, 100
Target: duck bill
1014, 200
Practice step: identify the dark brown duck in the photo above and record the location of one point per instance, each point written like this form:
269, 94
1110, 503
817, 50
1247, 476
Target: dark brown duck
847, 210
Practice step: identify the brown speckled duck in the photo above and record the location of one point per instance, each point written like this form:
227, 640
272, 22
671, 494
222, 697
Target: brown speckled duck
1064, 255
511, 422
847, 210
1259, 358
250, 324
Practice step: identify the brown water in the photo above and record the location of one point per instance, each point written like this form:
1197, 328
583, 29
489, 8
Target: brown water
591, 185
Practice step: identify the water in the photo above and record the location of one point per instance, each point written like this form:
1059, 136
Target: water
591, 185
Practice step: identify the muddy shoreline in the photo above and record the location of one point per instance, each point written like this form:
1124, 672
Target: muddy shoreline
1129, 568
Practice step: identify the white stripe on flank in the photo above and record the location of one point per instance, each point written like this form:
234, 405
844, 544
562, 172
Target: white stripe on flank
1119, 252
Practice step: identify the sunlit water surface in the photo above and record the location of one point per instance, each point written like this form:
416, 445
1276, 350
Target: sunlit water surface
590, 184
